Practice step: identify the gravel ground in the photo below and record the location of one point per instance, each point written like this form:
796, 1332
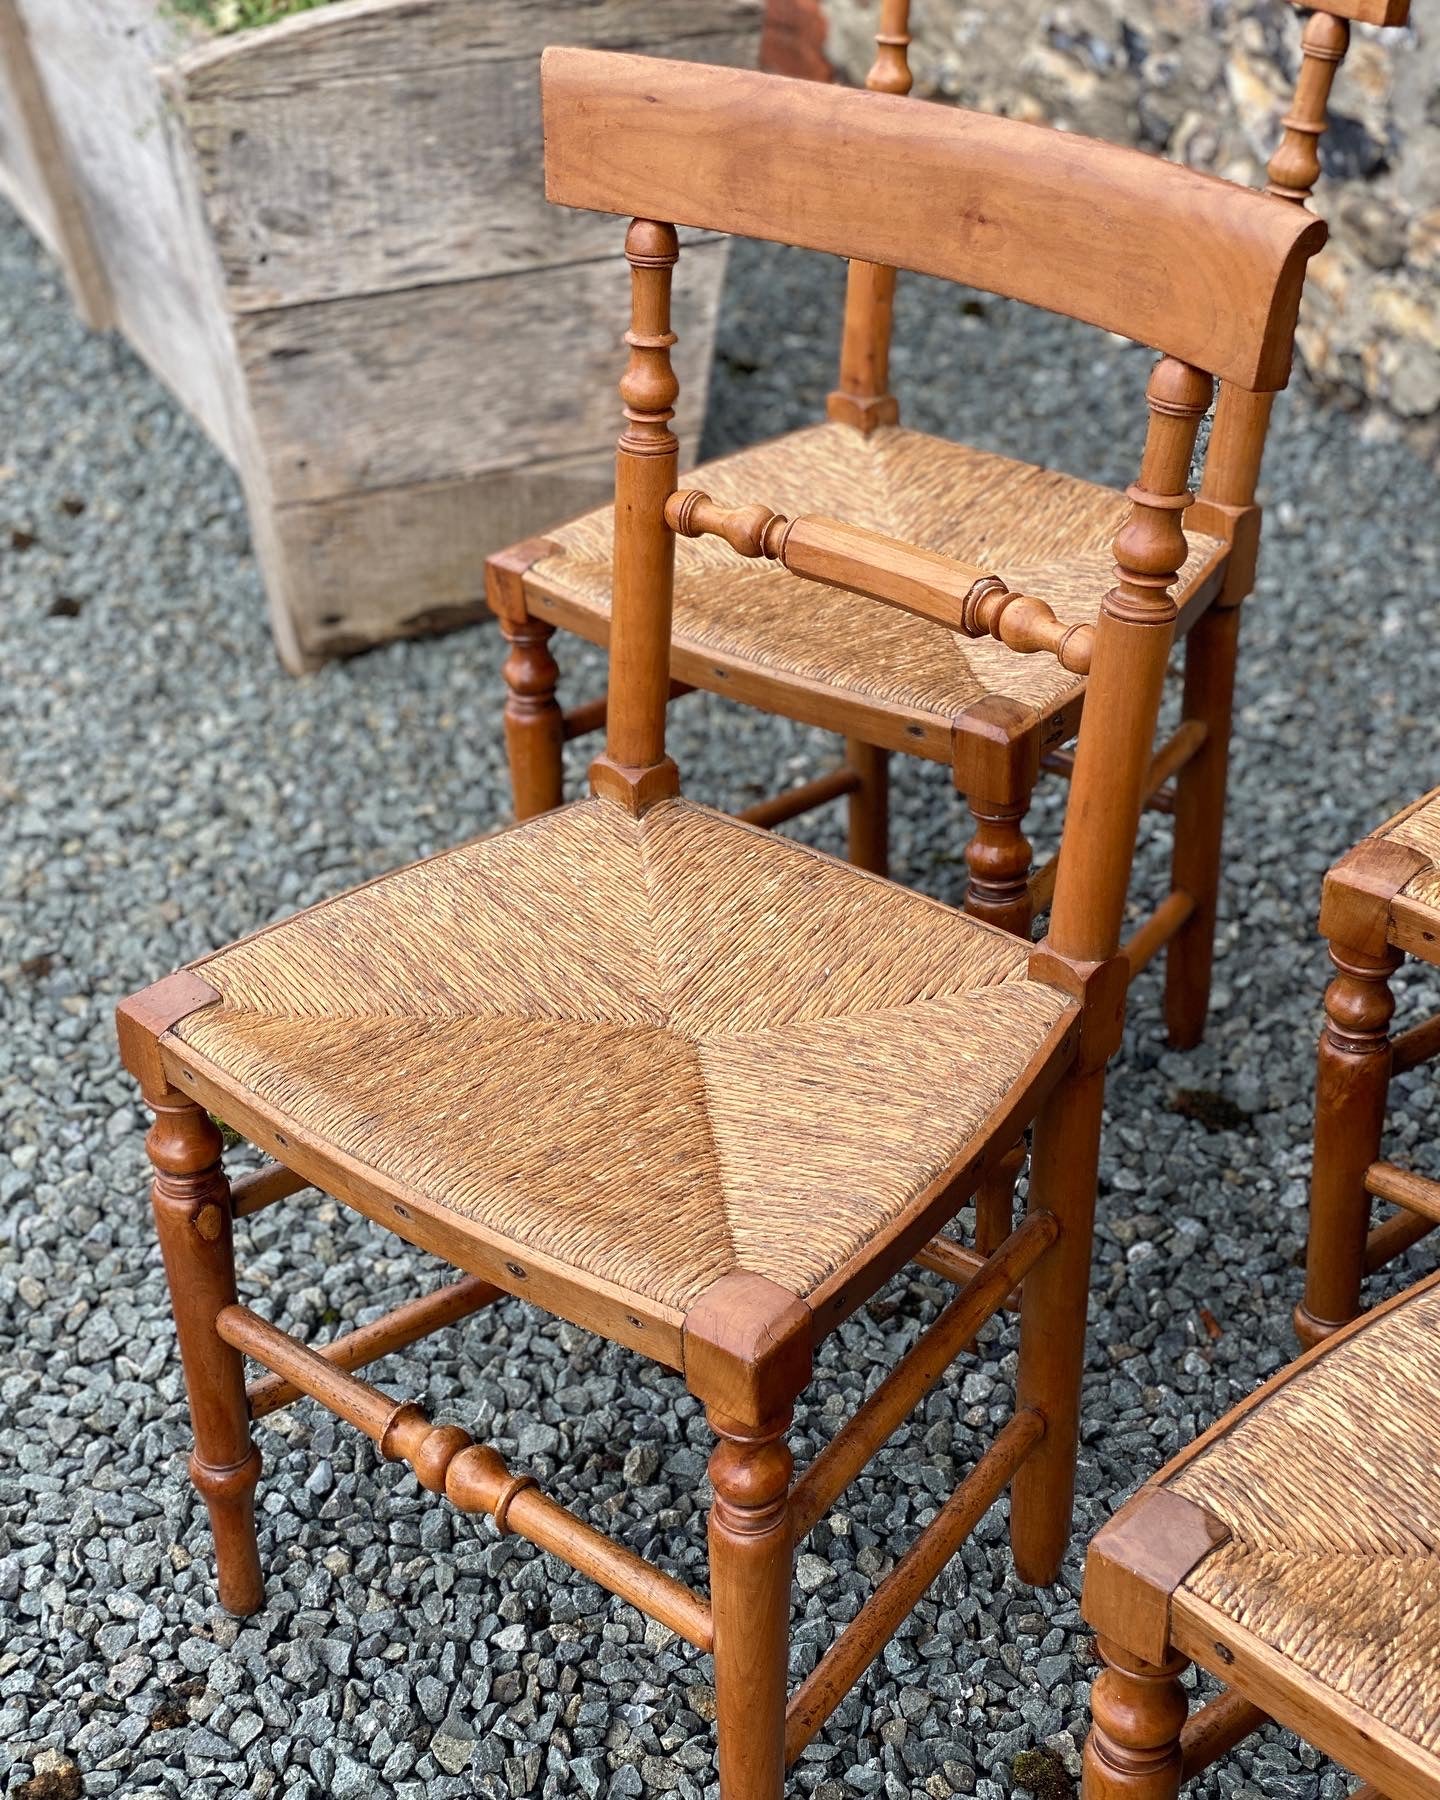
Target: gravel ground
166, 788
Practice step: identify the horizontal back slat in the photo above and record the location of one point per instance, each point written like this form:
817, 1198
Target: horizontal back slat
1189, 264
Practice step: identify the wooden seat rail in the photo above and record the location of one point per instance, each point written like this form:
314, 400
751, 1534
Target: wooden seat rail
396, 1330
894, 1600
258, 1188
1403, 1187
917, 1372
472, 1476
1416, 1045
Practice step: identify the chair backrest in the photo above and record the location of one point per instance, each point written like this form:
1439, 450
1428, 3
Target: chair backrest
1207, 273
862, 397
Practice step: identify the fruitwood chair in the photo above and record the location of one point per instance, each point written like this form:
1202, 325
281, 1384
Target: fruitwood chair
1293, 1552
672, 1077
1381, 903
890, 680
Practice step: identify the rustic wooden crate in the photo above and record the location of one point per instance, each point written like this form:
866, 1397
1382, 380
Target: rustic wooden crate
330, 239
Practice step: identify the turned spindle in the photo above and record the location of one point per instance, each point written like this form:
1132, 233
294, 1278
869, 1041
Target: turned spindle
1295, 167
634, 769
863, 398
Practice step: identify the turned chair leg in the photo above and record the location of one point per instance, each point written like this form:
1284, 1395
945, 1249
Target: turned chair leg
534, 723
751, 1553
1353, 1069
1139, 1711
1064, 1161
869, 809
998, 858
191, 1198
1210, 656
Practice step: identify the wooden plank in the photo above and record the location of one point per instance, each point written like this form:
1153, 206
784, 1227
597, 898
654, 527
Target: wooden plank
97, 58
336, 43
429, 170
388, 389
360, 569
1184, 262
41, 181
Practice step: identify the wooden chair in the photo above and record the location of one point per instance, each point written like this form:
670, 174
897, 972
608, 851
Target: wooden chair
1293, 1552
1381, 903
893, 681
677, 1079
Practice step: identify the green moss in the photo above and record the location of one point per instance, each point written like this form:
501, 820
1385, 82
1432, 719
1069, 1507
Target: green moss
241, 15
1041, 1773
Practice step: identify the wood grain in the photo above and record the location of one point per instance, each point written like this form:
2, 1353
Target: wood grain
1182, 261
382, 390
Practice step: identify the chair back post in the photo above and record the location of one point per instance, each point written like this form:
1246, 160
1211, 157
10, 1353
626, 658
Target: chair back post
863, 398
634, 769
1242, 419
1132, 647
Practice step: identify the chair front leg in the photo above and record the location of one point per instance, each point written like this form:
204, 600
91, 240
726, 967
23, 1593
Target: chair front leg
1139, 1709
1210, 654
998, 858
1064, 1162
751, 1556
192, 1216
534, 723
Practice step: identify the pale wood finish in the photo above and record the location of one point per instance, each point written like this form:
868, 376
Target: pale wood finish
328, 349
42, 181
630, 135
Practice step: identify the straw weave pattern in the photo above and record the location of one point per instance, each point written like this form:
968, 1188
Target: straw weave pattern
1332, 1491
1420, 829
660, 1050
1042, 532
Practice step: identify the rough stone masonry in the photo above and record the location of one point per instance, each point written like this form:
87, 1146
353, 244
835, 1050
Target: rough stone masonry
1206, 82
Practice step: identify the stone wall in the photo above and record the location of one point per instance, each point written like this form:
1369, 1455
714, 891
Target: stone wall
1205, 82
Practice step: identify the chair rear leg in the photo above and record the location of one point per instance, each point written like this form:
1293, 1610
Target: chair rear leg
534, 723
869, 807
1210, 654
1139, 1709
1064, 1161
1353, 1067
751, 1553
192, 1215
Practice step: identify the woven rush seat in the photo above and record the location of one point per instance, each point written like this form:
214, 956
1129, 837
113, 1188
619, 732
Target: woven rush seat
1045, 533
1418, 829
653, 1050
1319, 1592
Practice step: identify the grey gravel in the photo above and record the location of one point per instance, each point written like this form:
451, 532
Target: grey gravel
166, 788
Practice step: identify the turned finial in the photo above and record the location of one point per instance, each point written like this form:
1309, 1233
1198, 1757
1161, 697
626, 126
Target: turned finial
1295, 167
649, 387
1150, 548
890, 72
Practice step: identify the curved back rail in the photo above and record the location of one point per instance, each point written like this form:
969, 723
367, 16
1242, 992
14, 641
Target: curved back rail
1182, 261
